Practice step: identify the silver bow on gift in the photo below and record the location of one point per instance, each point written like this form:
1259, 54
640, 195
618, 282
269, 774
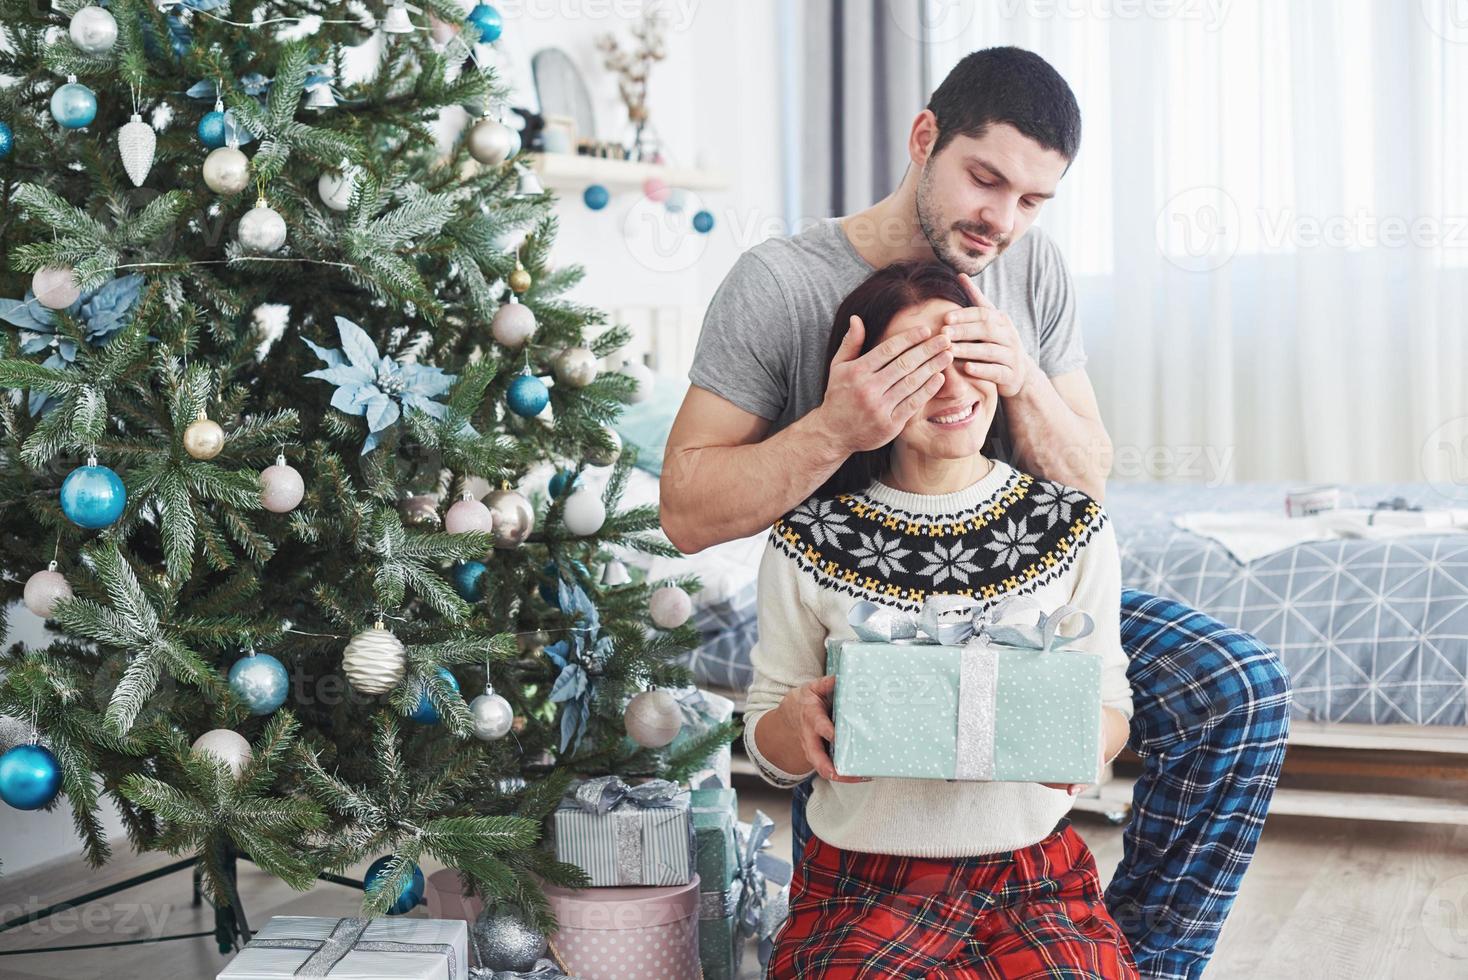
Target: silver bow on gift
754, 867
543, 970
605, 793
346, 937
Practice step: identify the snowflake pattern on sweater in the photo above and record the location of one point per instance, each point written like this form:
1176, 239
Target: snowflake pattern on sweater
1028, 534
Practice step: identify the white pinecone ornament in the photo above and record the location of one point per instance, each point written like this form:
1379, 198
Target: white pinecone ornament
136, 142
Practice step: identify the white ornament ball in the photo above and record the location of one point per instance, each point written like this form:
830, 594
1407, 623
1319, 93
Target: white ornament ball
56, 287
228, 746
203, 439
575, 367
44, 589
226, 170
281, 487
491, 142
336, 190
670, 607
514, 518
585, 513
492, 716
93, 30
641, 375
596, 457
468, 515
375, 661
653, 719
513, 324
262, 229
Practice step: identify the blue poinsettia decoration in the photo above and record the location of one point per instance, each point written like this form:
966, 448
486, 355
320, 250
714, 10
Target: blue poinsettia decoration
103, 311
575, 686
377, 387
180, 12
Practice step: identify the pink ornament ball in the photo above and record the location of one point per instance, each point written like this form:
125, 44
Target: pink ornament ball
281, 487
670, 607
43, 590
655, 189
468, 515
56, 287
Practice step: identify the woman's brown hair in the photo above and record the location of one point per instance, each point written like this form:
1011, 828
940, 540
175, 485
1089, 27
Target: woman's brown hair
879, 298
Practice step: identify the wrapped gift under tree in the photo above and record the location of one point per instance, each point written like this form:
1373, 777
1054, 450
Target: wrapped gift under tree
950, 694
626, 835
715, 812
356, 948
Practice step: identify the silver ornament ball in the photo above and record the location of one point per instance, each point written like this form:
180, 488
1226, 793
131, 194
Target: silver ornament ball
514, 518
262, 229
204, 438
491, 142
375, 660
575, 367
281, 487
226, 170
653, 719
44, 589
228, 746
336, 190
504, 941
492, 716
93, 30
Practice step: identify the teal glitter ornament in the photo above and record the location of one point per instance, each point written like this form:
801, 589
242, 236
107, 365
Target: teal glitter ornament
410, 894
426, 713
488, 22
93, 496
528, 396
212, 127
7, 141
73, 105
468, 577
260, 681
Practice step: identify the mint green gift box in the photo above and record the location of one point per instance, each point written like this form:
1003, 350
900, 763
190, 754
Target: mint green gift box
716, 858
951, 695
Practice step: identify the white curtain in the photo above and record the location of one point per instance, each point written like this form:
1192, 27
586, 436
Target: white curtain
1268, 225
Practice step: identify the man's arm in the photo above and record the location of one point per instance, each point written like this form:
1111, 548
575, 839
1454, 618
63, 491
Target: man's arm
722, 479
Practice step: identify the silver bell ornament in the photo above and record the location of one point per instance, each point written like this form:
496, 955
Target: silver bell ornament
136, 143
514, 517
93, 30
615, 573
599, 457
513, 324
492, 716
504, 941
261, 229
491, 142
204, 438
44, 589
375, 660
336, 188
528, 185
653, 719
226, 170
575, 367
396, 21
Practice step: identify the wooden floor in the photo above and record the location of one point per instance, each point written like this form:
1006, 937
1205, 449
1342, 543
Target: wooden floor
1328, 899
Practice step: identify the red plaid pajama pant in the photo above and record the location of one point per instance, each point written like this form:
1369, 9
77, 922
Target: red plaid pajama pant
1031, 913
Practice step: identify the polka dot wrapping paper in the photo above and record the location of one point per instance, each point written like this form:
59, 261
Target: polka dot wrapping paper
645, 933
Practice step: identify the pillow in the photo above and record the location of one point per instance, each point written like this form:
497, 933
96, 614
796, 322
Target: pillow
646, 424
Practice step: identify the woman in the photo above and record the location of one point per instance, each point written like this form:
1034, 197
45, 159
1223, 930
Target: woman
918, 878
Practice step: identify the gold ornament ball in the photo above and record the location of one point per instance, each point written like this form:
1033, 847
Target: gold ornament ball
520, 280
575, 367
203, 439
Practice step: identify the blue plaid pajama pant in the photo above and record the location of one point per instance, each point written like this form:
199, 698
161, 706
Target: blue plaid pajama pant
1211, 713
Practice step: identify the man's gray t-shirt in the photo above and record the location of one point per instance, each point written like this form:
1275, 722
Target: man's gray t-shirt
764, 337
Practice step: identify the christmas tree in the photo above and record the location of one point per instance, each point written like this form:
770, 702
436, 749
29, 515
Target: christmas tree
275, 375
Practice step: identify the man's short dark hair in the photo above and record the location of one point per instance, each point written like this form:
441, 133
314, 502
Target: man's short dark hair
1007, 85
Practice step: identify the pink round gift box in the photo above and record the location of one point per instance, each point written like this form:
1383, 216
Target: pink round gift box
641, 933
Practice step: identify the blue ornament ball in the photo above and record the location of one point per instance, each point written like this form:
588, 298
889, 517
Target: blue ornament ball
563, 483
528, 395
489, 22
73, 105
703, 222
410, 895
596, 197
7, 141
260, 681
426, 713
211, 129
93, 496
30, 777
468, 579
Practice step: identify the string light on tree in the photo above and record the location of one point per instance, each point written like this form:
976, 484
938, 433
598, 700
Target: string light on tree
93, 496
204, 438
44, 589
375, 661
281, 487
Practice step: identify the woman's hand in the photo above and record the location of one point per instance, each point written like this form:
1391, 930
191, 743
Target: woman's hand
808, 711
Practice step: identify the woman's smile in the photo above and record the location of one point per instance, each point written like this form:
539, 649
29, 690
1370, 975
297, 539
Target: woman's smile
955, 417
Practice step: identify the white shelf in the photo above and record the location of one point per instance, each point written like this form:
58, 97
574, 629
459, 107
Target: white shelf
569, 171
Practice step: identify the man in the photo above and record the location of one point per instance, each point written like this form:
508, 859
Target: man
757, 434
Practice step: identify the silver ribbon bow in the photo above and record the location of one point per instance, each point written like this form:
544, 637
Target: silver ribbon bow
754, 867
605, 793
345, 938
543, 970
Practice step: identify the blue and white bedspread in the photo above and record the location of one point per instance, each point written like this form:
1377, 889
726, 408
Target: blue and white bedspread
1372, 632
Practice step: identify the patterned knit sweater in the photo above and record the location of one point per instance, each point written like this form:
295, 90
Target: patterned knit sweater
1008, 534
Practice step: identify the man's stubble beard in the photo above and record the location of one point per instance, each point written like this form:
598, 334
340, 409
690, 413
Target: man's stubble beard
937, 236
